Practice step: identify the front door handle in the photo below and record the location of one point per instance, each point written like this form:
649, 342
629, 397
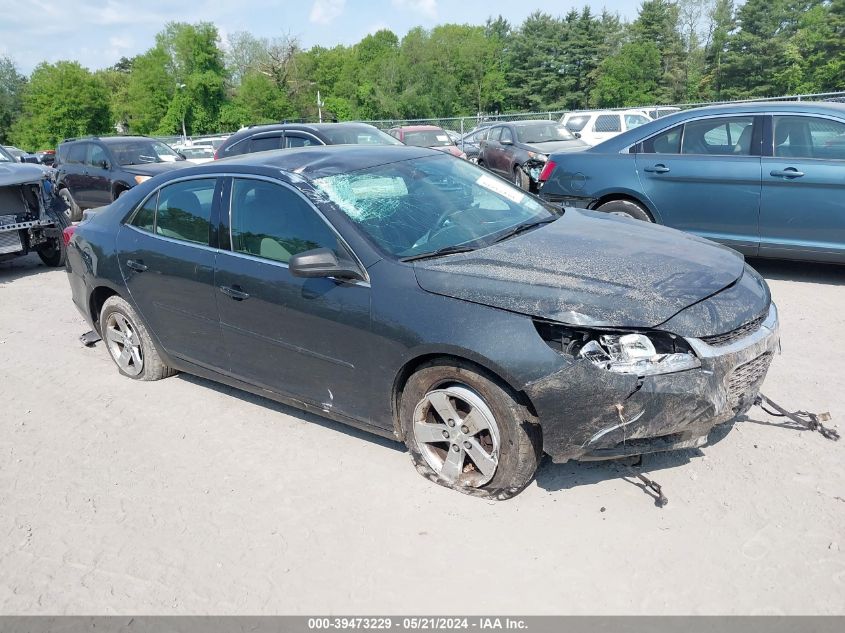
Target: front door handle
657, 169
789, 172
136, 265
234, 292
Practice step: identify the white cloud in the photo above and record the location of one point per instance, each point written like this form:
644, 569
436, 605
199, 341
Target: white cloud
325, 11
428, 8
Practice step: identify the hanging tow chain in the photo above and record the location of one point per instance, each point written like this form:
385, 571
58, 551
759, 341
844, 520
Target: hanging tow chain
660, 499
810, 421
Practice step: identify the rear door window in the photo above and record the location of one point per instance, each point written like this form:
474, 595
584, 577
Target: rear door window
265, 143
576, 123
296, 140
668, 142
183, 210
607, 123
719, 136
77, 153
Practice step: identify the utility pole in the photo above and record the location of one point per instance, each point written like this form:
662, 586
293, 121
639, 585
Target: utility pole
184, 134
320, 105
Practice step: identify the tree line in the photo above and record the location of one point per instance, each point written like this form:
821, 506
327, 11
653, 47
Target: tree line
674, 51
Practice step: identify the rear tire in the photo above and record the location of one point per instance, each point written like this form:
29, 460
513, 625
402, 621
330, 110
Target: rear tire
128, 342
53, 252
521, 179
74, 213
625, 208
494, 444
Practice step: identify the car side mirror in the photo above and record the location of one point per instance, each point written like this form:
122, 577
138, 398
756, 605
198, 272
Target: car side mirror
182, 156
577, 134
322, 262
104, 164
504, 142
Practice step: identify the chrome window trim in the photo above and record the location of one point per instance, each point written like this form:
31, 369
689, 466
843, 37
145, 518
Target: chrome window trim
173, 240
276, 181
627, 150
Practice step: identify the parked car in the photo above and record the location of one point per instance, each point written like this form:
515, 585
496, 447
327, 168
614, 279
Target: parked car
518, 150
596, 126
32, 217
198, 154
46, 157
418, 296
470, 143
764, 178
656, 112
210, 141
427, 136
93, 171
261, 138
19, 155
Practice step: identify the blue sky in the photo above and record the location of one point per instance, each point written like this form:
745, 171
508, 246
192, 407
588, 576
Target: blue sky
98, 33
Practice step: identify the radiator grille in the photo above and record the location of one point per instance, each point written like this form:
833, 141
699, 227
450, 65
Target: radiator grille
10, 242
734, 335
745, 381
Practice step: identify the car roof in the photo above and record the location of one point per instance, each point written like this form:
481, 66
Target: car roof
620, 142
315, 161
419, 128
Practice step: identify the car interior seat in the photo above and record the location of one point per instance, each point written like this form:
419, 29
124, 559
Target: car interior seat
743, 145
792, 139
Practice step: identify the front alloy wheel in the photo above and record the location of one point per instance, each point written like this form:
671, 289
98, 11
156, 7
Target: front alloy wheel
457, 436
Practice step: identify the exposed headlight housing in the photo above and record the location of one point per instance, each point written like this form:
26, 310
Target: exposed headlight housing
538, 156
140, 179
639, 353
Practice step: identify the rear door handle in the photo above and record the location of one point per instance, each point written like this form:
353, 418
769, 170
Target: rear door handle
789, 172
234, 292
657, 169
136, 265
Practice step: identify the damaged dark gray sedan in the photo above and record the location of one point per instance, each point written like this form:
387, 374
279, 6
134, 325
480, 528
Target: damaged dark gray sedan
417, 296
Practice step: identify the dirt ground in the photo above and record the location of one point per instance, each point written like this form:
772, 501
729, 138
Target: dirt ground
183, 496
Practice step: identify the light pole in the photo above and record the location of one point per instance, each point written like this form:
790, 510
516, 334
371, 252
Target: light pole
184, 135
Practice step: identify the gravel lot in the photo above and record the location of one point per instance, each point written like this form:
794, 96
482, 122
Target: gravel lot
183, 496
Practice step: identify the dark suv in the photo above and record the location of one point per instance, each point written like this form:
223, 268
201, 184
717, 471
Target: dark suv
260, 138
93, 171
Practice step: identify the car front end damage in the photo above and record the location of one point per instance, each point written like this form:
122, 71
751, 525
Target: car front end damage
594, 410
31, 216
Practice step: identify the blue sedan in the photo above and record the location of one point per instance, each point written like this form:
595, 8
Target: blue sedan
767, 179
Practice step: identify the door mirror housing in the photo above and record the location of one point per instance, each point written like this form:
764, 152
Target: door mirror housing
577, 134
322, 262
506, 142
104, 164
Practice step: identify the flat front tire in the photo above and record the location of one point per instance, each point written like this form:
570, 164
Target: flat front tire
465, 430
129, 343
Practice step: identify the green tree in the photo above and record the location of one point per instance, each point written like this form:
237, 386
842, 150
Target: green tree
657, 24
258, 100
61, 100
628, 78
11, 86
196, 66
149, 91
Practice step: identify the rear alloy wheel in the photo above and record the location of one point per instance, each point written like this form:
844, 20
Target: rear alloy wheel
129, 343
520, 178
625, 208
465, 430
73, 212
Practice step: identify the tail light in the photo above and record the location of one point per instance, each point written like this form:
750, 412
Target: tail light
215, 153
67, 234
547, 170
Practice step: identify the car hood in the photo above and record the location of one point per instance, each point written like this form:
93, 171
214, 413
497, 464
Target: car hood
154, 169
19, 173
589, 269
454, 150
560, 147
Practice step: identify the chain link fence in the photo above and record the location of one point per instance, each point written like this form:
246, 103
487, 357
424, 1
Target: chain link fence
464, 124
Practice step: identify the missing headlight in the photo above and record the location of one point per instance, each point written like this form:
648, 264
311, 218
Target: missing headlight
640, 353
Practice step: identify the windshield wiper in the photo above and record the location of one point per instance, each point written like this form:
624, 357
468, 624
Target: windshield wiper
446, 250
521, 228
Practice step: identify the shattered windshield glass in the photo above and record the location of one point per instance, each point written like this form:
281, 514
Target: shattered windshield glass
543, 133
428, 204
427, 138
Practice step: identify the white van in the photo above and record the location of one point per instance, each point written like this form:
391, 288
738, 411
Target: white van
595, 126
